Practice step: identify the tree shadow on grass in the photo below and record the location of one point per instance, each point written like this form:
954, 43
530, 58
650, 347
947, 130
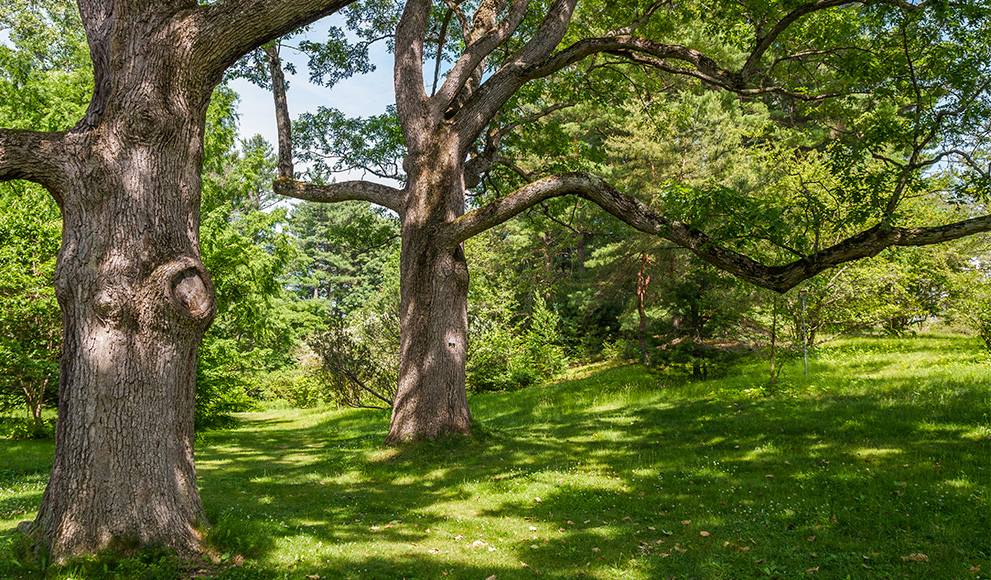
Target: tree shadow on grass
778, 486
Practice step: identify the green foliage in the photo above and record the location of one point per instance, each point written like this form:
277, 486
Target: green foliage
374, 145
45, 70
974, 306
250, 259
510, 345
503, 357
299, 386
30, 320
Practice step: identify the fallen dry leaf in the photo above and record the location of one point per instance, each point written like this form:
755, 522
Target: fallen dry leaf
704, 534
533, 528
686, 522
571, 523
313, 576
596, 550
916, 558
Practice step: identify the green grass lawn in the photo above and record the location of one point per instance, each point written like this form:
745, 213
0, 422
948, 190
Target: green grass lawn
877, 466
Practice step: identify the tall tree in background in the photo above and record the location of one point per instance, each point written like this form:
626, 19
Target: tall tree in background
901, 85
135, 297
348, 246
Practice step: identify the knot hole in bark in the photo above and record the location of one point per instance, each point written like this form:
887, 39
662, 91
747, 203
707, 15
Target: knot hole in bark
191, 293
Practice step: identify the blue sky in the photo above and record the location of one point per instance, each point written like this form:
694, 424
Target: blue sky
362, 95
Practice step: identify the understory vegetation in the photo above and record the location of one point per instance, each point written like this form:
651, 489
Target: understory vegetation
875, 466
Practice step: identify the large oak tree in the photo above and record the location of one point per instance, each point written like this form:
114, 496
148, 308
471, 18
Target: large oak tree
898, 82
134, 295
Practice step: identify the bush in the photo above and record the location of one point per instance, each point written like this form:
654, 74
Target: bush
976, 310
299, 387
500, 359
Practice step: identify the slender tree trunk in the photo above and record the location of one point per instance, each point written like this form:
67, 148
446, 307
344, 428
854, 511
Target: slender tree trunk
282, 122
643, 282
774, 337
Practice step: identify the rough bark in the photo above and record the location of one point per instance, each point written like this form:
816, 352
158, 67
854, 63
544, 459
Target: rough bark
282, 121
431, 400
134, 295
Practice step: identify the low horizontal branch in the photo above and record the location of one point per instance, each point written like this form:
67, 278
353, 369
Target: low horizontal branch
376, 193
780, 278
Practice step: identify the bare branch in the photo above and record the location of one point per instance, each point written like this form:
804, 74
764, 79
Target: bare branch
778, 278
376, 193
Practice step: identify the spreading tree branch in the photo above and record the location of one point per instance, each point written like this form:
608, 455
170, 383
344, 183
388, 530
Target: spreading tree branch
376, 193
779, 278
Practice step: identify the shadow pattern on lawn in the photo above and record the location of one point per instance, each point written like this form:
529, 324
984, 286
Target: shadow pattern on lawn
717, 488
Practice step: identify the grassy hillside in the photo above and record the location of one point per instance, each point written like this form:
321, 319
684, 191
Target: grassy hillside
877, 466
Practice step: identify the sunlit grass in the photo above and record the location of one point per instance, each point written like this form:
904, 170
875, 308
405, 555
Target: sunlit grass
881, 454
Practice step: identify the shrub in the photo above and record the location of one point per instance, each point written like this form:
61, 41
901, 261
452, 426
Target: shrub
503, 358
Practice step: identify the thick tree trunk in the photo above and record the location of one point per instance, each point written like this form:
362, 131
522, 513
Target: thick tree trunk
135, 302
431, 400
135, 297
